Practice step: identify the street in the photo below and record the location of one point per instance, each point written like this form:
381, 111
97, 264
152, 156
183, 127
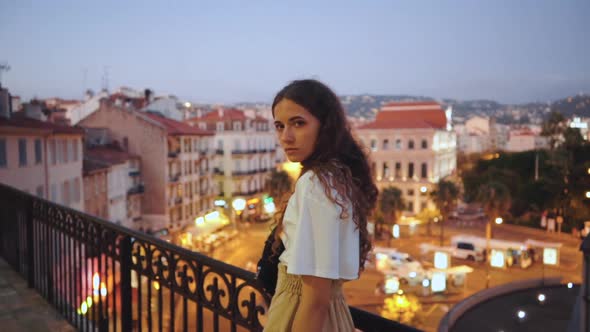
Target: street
245, 249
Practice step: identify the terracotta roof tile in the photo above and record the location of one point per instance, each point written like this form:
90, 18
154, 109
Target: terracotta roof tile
89, 166
228, 114
426, 115
174, 127
21, 121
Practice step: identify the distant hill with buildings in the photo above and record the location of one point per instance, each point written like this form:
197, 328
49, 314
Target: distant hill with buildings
366, 105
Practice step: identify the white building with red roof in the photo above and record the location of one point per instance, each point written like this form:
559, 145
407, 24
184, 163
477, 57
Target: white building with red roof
412, 146
176, 165
245, 148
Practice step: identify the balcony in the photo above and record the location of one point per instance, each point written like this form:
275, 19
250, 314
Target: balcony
219, 151
137, 189
174, 154
174, 178
55, 249
218, 171
134, 172
244, 152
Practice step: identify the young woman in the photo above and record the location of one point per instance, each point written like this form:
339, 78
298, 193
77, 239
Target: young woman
324, 224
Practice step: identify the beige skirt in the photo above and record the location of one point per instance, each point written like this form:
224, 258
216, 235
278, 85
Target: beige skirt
286, 300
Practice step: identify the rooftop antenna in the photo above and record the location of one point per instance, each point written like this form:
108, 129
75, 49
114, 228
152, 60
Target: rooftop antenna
3, 67
85, 78
105, 79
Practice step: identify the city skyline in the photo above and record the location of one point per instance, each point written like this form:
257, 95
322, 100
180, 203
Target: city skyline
225, 52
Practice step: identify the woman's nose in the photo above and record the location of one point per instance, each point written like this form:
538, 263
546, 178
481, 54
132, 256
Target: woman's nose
287, 135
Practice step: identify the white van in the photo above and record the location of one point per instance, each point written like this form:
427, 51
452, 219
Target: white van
468, 247
395, 263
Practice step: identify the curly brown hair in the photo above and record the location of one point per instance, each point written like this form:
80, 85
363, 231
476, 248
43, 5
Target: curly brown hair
338, 160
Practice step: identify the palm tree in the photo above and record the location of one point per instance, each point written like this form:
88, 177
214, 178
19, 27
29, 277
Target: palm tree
390, 204
495, 199
278, 185
445, 197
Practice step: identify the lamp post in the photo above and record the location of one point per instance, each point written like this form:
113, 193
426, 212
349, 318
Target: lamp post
488, 261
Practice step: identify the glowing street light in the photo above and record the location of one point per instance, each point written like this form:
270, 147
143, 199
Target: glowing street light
499, 220
588, 194
423, 189
521, 314
395, 231
541, 298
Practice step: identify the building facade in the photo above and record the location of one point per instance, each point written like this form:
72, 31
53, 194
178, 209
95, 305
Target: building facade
175, 163
412, 146
42, 158
245, 149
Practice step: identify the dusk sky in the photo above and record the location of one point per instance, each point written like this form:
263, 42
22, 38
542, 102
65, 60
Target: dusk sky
230, 51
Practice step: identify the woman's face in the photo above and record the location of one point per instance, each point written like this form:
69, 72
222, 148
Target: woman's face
297, 130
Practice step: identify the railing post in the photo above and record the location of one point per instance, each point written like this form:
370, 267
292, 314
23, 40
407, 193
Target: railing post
30, 243
126, 310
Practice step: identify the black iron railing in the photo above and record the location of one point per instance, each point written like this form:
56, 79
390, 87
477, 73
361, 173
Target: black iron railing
104, 277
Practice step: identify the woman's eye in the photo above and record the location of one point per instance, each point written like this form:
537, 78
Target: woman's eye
299, 123
278, 127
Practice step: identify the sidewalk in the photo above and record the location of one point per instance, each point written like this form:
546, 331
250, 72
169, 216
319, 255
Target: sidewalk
23, 309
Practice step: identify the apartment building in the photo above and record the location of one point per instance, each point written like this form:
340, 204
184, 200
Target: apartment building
176, 162
412, 146
42, 158
245, 149
117, 173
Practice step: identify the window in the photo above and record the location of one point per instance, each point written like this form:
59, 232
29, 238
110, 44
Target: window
219, 126
410, 192
373, 168
424, 144
3, 161
40, 191
22, 152
398, 170
385, 144
465, 246
411, 144
398, 144
52, 151
237, 145
373, 145
410, 206
70, 144
237, 125
77, 190
76, 150
64, 146
54, 193
66, 192
410, 170
38, 155
385, 171
424, 171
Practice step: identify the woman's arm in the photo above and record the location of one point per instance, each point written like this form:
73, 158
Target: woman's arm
313, 308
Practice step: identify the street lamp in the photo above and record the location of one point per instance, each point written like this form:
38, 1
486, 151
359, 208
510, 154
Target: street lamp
498, 221
238, 204
588, 194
